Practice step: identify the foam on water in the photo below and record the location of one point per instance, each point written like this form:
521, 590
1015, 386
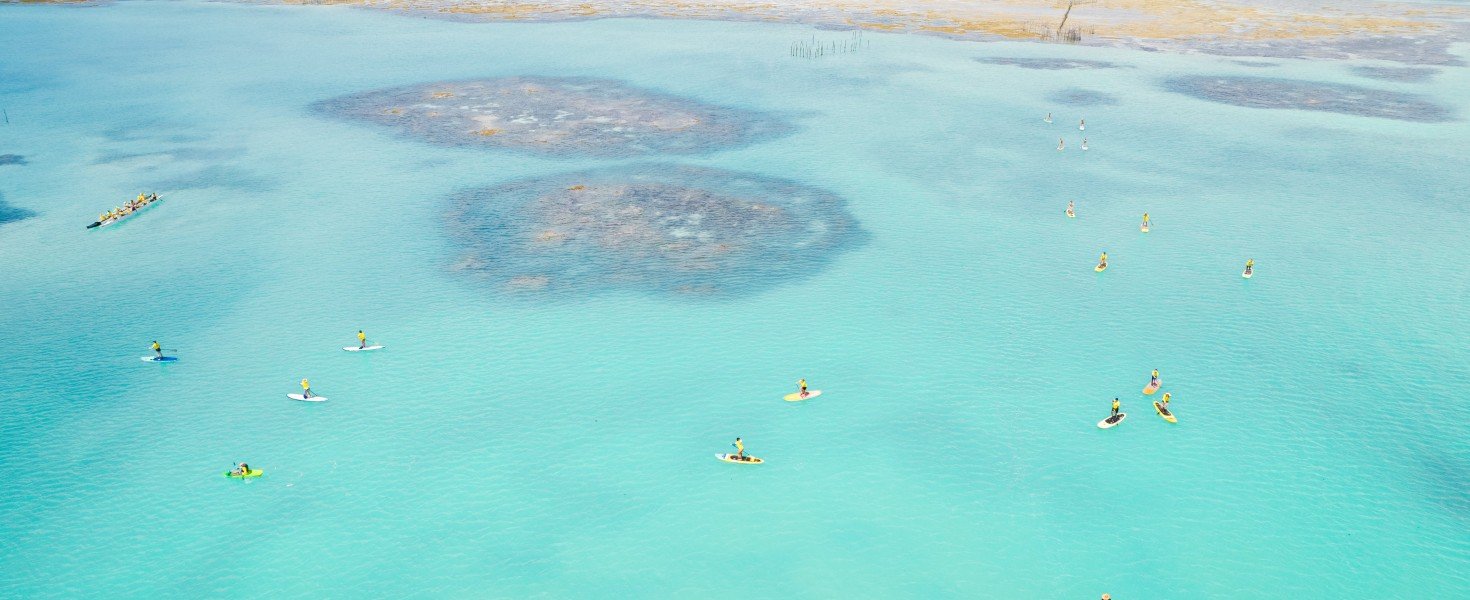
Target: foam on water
518, 447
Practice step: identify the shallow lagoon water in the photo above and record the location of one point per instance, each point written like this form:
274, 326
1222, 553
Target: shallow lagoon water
562, 447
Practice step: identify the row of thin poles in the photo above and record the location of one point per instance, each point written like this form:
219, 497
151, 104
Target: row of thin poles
815, 48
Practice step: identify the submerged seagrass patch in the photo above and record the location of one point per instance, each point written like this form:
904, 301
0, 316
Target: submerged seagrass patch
655, 227
1267, 92
568, 116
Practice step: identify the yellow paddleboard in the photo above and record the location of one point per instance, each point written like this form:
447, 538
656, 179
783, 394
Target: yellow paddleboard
797, 397
1164, 412
1100, 267
730, 458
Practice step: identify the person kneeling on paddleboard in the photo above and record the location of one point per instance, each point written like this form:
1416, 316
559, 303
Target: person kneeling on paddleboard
305, 388
362, 339
157, 348
1116, 406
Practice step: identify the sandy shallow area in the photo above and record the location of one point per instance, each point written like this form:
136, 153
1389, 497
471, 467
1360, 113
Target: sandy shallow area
1346, 29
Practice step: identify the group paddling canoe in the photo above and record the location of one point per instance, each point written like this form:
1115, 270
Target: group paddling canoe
108, 221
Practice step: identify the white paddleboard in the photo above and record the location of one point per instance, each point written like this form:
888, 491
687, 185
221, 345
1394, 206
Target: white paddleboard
796, 396
157, 359
730, 458
356, 349
1112, 421
1246, 274
305, 399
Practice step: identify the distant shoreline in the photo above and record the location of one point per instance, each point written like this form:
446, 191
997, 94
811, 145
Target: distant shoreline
1414, 34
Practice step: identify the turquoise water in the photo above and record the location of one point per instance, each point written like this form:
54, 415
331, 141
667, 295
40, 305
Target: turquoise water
560, 446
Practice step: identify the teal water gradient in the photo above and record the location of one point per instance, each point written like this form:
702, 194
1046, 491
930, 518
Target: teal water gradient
512, 448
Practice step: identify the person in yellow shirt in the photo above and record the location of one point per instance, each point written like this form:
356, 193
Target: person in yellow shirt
305, 388
1154, 378
361, 340
157, 348
1166, 400
1116, 406
801, 387
739, 449
1250, 265
1102, 261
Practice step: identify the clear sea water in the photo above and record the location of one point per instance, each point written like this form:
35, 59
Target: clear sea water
561, 447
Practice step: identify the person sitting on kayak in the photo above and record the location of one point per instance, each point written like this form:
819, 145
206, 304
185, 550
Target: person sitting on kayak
801, 383
157, 349
739, 450
362, 339
305, 388
241, 470
1116, 406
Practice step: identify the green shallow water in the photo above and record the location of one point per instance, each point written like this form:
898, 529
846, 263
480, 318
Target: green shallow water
560, 446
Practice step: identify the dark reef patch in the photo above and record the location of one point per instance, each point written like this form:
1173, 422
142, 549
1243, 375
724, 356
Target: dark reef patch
1082, 97
10, 213
558, 116
1265, 92
655, 228
12, 159
1049, 64
1401, 74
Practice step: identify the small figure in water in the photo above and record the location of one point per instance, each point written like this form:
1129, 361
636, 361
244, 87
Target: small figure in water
739, 449
1084, 143
1250, 267
241, 470
1071, 209
1061, 144
1166, 401
1116, 406
1153, 379
361, 339
1081, 124
157, 348
1102, 262
1048, 117
1145, 224
305, 388
801, 383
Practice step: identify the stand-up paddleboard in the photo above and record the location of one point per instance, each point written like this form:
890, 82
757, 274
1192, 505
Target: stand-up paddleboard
1143, 228
1164, 412
249, 474
1153, 386
1112, 421
305, 399
730, 458
1071, 215
356, 349
159, 358
797, 397
1247, 273
1100, 267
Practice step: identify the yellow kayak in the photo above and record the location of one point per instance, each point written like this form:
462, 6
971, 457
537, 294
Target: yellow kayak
249, 474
